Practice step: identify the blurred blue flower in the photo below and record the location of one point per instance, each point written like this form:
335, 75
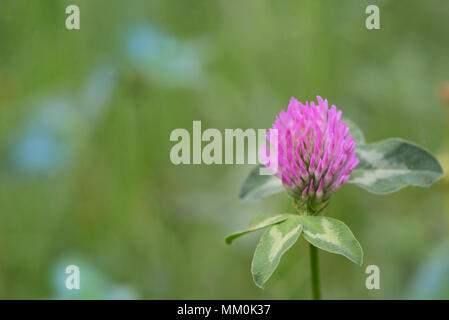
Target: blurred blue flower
432, 279
49, 137
93, 283
42, 144
98, 89
163, 58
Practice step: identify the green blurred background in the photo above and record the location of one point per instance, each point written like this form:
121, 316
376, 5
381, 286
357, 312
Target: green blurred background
85, 121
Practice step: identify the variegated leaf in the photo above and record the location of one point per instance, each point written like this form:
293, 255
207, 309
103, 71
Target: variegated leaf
258, 223
332, 235
274, 243
257, 186
390, 165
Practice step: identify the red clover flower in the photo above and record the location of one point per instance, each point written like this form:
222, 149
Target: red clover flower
315, 152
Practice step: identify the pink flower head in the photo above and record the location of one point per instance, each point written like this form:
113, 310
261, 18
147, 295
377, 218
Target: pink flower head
315, 151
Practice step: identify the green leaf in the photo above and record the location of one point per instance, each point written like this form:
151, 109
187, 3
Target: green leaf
355, 131
258, 186
258, 223
390, 165
332, 235
274, 243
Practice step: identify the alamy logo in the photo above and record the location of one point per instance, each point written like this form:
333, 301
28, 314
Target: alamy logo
373, 20
373, 280
234, 140
73, 279
73, 20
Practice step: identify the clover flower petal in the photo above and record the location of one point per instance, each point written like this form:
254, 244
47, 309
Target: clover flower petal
315, 151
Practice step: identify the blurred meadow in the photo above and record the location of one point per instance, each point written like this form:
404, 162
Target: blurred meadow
85, 121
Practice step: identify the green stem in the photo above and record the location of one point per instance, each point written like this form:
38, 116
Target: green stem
315, 277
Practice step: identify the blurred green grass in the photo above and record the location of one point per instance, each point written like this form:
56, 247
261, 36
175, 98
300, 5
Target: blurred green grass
85, 120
